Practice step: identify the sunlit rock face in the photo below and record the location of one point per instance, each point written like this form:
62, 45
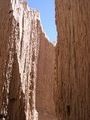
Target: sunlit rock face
19, 46
21, 43
73, 60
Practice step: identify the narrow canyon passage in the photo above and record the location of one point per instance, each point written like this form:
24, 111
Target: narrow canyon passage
39, 80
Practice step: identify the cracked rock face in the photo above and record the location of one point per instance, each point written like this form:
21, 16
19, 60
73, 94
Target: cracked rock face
21, 61
73, 59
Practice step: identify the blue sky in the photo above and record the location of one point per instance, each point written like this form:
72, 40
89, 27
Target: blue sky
47, 14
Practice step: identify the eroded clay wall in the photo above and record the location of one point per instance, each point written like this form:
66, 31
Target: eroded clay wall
73, 59
26, 62
19, 47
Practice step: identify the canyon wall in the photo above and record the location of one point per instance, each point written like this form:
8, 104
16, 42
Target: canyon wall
45, 80
23, 51
72, 96
19, 44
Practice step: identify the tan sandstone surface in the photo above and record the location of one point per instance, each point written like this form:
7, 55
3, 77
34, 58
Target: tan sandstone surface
73, 60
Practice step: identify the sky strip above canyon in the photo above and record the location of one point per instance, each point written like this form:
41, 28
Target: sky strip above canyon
47, 14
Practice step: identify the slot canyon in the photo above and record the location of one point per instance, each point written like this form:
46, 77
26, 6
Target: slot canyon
40, 80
